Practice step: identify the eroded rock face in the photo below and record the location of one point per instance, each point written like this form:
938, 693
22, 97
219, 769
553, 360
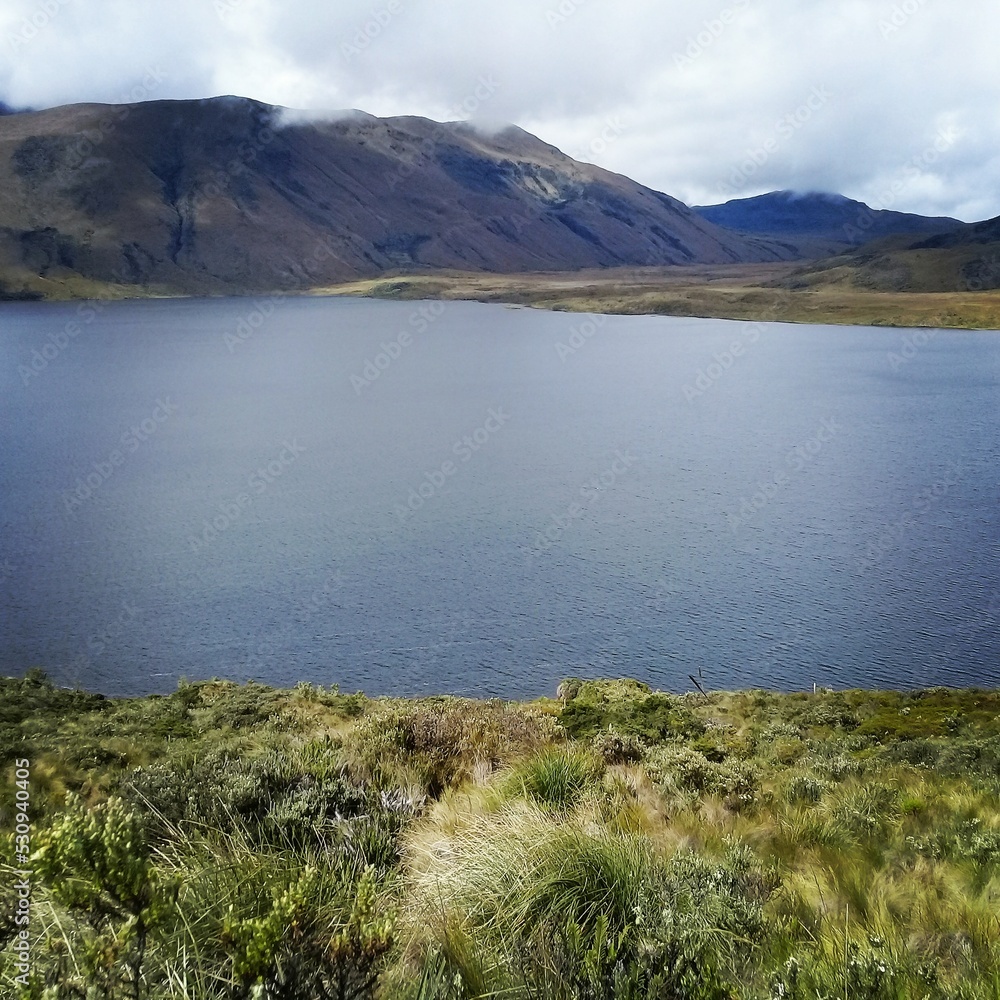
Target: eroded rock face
232, 195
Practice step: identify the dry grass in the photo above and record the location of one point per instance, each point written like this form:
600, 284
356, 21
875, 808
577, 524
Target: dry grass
750, 292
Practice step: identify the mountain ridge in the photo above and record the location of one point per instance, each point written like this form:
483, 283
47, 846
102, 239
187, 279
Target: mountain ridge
228, 195
820, 215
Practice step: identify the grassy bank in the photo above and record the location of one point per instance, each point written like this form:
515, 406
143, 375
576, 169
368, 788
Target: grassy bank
753, 292
238, 841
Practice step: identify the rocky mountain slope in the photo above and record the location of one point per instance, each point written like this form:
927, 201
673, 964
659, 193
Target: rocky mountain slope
231, 195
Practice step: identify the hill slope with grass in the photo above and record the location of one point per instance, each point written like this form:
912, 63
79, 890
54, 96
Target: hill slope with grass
964, 260
240, 842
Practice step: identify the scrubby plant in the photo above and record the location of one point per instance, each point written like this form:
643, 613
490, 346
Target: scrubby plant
297, 801
98, 863
861, 974
567, 914
441, 743
840, 767
805, 788
634, 711
683, 768
618, 748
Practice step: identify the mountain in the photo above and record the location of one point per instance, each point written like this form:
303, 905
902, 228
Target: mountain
230, 195
966, 259
820, 216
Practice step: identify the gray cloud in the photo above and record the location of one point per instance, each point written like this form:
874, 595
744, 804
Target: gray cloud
890, 101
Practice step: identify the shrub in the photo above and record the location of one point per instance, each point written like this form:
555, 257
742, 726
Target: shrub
617, 748
840, 767
32, 705
805, 788
861, 974
280, 801
630, 710
867, 811
964, 757
833, 713
686, 769
918, 752
98, 863
444, 742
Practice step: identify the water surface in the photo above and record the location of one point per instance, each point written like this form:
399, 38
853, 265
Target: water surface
455, 497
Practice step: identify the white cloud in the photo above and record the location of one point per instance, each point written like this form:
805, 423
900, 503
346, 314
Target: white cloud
699, 90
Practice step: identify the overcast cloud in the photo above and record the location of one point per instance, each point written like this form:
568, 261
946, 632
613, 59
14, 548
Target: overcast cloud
895, 102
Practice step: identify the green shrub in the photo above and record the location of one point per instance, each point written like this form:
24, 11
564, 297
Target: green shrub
98, 863
832, 713
292, 801
805, 788
630, 710
617, 748
840, 767
571, 915
867, 811
682, 768
31, 706
860, 973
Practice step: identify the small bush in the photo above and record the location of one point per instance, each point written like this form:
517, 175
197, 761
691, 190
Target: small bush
833, 714
617, 748
681, 768
277, 801
632, 711
564, 914
867, 811
840, 767
864, 977
805, 788
445, 742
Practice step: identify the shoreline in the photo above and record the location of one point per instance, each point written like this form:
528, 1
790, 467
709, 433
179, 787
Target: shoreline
36, 675
756, 293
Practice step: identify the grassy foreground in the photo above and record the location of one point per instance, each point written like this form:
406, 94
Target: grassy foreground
242, 842
752, 292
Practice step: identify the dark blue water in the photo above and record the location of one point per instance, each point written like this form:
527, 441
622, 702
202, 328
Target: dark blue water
222, 488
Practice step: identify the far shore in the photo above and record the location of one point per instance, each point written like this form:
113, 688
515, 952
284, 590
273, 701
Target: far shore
765, 293
749, 292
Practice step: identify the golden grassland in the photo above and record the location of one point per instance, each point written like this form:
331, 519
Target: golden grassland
238, 841
752, 292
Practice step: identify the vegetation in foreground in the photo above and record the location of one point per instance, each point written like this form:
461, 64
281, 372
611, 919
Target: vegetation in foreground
231, 841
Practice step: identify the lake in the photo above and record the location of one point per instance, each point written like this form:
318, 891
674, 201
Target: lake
417, 497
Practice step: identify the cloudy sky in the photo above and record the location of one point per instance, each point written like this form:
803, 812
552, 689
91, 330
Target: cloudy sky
895, 102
